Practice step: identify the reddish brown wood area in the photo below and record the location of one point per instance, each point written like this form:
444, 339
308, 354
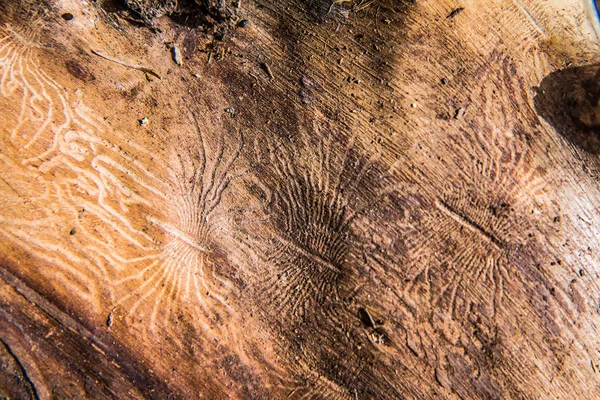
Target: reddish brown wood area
299, 199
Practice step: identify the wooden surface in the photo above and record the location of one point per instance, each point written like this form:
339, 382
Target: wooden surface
299, 199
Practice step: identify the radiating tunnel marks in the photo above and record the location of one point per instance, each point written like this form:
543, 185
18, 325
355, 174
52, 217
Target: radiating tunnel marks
461, 232
474, 238
308, 202
91, 198
452, 272
314, 188
463, 241
479, 216
474, 261
186, 272
68, 184
458, 241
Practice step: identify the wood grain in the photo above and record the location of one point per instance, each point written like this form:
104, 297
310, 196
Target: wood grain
299, 199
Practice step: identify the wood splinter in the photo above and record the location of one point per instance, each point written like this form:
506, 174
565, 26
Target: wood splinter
455, 12
267, 69
123, 63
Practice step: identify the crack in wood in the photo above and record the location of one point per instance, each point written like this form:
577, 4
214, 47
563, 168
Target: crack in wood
33, 393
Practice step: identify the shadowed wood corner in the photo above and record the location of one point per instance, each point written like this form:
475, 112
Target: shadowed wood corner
362, 199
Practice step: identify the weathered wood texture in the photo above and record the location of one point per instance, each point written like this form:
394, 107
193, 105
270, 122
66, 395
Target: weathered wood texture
299, 199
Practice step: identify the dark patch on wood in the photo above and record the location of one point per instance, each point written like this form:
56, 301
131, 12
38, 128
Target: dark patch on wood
569, 100
78, 71
148, 9
270, 107
220, 9
250, 386
187, 12
318, 10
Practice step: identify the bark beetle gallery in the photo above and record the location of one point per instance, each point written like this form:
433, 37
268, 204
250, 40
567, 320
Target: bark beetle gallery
366, 199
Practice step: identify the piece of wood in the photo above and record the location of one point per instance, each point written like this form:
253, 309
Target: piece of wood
351, 200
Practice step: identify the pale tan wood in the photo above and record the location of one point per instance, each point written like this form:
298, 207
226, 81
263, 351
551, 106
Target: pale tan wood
368, 199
